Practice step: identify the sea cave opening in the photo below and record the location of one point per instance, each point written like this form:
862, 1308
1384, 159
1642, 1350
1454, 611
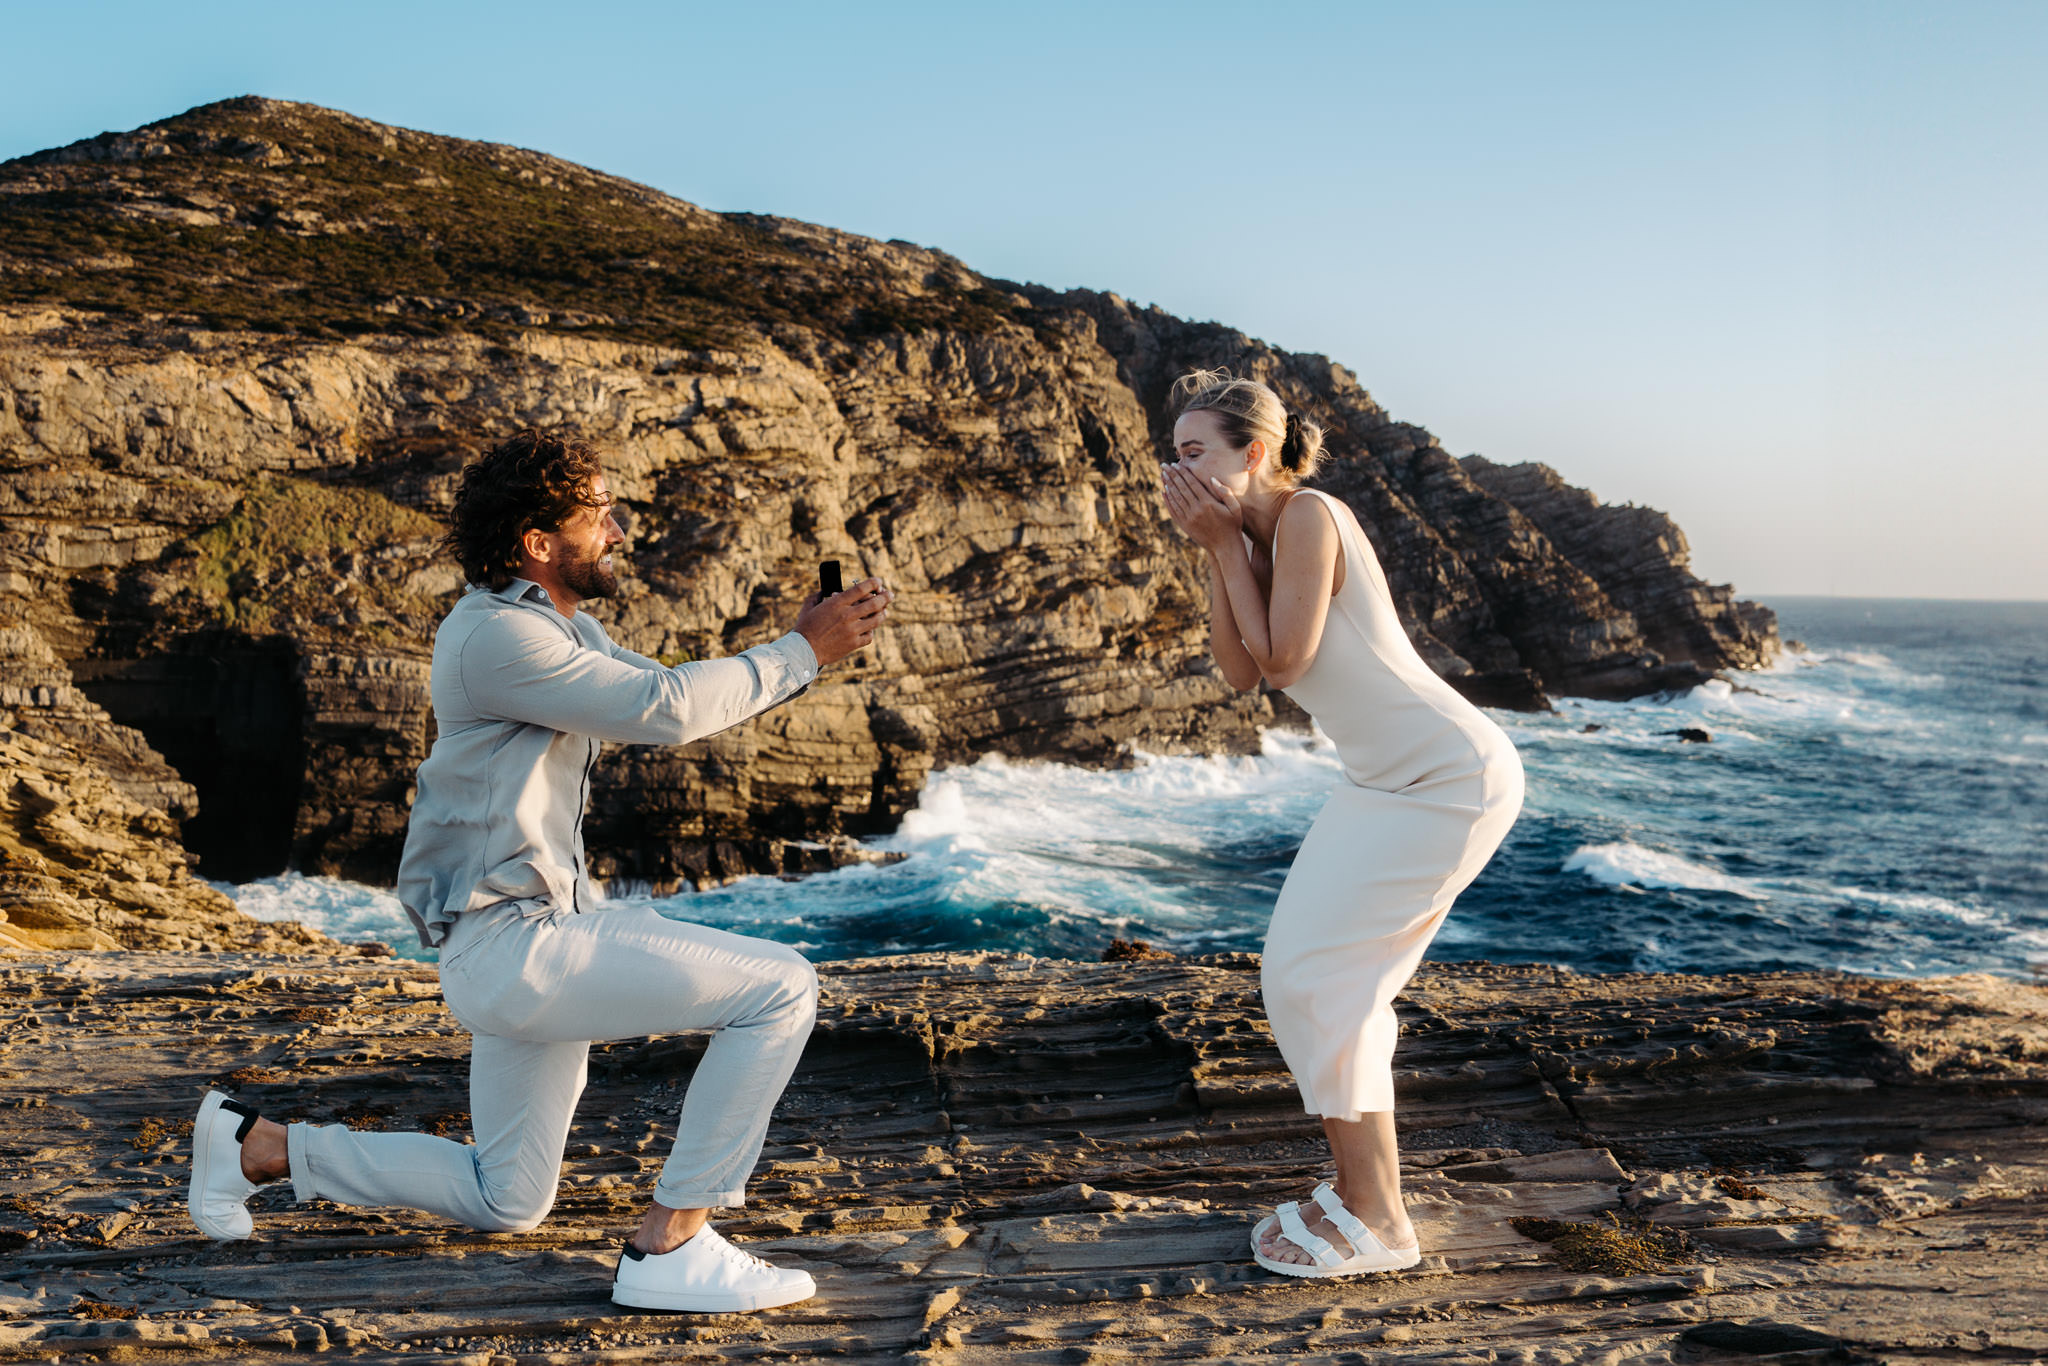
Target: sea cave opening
225, 712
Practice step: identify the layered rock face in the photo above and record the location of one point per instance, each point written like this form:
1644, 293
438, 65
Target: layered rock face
248, 350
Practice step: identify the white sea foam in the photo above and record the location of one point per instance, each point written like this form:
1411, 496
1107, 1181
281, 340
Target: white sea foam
1110, 849
1805, 659
1176, 801
1829, 696
1921, 903
344, 910
940, 816
1622, 864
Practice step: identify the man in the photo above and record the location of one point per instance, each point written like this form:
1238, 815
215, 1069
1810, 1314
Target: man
525, 687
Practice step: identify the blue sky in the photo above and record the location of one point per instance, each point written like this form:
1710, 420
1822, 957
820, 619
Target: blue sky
1778, 269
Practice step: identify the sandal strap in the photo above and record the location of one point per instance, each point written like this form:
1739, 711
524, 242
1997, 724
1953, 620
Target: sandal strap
1298, 1234
1361, 1238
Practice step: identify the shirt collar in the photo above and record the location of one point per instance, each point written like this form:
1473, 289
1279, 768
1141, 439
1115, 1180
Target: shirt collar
521, 589
518, 590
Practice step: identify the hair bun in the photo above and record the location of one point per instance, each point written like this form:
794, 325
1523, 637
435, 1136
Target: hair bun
1291, 444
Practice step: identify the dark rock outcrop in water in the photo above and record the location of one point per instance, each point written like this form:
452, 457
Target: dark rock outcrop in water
244, 352
987, 1159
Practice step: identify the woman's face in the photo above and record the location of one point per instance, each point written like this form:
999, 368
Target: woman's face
1204, 448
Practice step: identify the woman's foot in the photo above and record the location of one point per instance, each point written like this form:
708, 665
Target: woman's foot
1389, 1242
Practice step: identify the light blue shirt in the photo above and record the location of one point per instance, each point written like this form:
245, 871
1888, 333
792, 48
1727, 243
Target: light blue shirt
523, 697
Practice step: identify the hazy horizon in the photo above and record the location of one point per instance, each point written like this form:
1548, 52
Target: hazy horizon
1775, 271
1765, 599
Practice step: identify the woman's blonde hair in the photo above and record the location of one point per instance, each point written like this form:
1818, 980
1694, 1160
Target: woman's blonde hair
1250, 411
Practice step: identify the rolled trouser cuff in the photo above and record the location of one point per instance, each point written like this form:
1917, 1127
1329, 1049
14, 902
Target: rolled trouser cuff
301, 1163
682, 1199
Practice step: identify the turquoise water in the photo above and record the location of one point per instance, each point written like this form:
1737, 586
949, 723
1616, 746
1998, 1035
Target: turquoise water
1877, 803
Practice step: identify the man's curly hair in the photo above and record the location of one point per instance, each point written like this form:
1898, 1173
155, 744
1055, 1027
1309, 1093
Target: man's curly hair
534, 480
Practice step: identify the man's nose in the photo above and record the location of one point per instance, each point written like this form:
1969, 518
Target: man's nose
618, 524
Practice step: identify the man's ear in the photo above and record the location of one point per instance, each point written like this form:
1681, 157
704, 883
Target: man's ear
537, 544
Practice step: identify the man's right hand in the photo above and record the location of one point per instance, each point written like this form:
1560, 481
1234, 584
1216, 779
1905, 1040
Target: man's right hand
845, 622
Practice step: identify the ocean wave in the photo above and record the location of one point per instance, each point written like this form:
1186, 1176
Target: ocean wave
1781, 706
1057, 851
338, 908
1810, 657
1923, 903
1169, 801
1622, 864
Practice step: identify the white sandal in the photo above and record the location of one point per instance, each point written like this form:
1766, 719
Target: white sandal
1368, 1253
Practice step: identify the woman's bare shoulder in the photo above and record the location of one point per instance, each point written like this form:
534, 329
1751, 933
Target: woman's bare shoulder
1304, 515
1314, 536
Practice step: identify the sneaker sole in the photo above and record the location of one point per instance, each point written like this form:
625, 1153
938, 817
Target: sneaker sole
684, 1302
202, 1169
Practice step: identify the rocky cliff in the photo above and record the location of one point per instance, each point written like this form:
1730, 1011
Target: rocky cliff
244, 352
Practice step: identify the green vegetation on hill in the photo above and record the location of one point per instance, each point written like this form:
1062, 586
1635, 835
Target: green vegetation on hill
292, 219
291, 543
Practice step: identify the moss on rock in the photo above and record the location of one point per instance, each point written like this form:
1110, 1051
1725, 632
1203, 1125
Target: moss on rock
246, 564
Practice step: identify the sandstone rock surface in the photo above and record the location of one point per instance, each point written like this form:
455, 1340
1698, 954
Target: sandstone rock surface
249, 348
88, 861
993, 1159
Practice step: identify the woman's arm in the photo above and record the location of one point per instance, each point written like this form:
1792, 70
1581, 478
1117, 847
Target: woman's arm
1280, 632
1239, 669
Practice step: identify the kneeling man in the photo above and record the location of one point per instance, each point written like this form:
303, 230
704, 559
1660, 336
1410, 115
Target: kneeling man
525, 688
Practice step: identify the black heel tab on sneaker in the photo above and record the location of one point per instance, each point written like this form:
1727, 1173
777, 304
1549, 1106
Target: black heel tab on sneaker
248, 1118
633, 1253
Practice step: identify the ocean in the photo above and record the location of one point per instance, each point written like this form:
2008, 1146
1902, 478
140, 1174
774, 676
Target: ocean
1877, 803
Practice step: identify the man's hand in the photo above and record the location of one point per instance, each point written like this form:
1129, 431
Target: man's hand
846, 621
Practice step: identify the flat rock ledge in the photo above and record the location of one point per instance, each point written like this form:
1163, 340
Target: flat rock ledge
995, 1158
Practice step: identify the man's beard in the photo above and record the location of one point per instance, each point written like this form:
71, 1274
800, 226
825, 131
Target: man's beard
588, 578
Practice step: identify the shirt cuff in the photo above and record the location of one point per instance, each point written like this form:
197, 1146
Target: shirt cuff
801, 658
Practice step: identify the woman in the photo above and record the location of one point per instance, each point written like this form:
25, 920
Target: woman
1430, 788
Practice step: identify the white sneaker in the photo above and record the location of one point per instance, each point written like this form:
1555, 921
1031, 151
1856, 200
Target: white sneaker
217, 1194
706, 1275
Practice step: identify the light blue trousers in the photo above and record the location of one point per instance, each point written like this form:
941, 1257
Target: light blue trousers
534, 986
